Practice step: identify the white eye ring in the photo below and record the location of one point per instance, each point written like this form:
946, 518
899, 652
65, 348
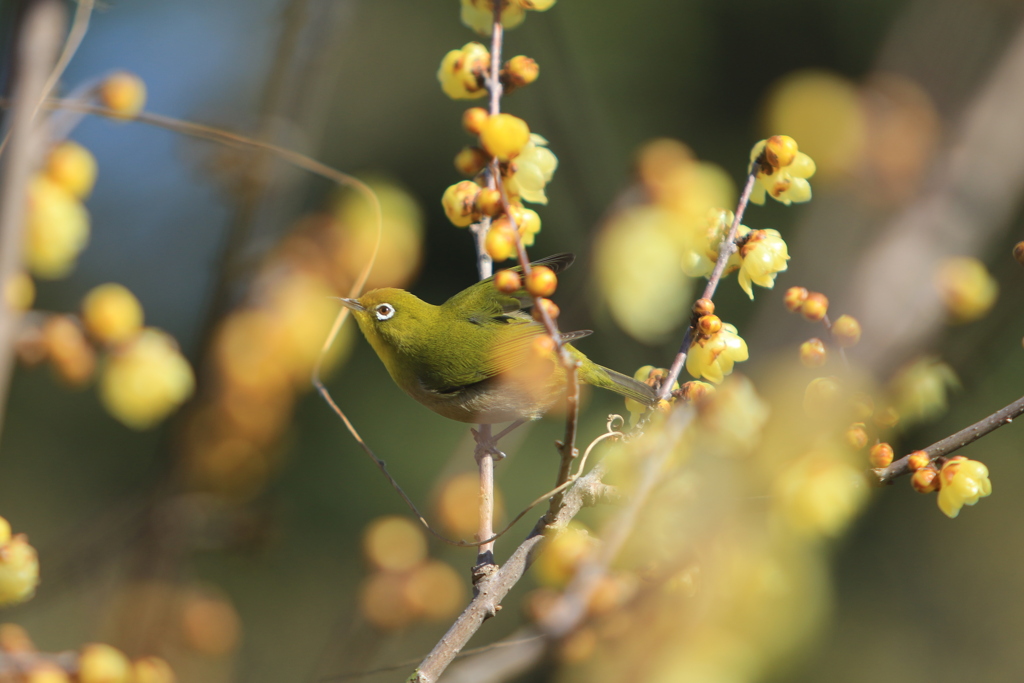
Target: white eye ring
384, 311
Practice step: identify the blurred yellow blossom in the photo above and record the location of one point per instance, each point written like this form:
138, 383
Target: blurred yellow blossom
57, 229
824, 112
146, 380
966, 288
919, 389
19, 567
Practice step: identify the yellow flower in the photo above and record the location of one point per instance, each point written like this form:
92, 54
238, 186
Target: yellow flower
786, 183
701, 251
533, 169
479, 15
962, 482
713, 357
19, 566
462, 72
821, 493
57, 230
763, 258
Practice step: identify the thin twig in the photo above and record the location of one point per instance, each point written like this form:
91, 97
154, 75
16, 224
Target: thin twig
79, 26
725, 250
954, 442
498, 645
37, 44
493, 589
485, 444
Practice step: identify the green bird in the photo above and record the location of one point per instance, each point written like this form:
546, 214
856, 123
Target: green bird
473, 358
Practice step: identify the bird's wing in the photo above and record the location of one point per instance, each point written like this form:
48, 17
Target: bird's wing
483, 300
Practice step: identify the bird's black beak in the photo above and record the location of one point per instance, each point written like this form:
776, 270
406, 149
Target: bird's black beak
353, 304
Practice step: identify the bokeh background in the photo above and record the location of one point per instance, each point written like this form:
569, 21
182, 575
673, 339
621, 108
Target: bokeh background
273, 566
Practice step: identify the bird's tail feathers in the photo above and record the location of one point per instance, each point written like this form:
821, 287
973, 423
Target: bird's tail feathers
629, 387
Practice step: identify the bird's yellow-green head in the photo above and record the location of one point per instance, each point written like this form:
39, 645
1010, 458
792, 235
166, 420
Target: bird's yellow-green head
395, 322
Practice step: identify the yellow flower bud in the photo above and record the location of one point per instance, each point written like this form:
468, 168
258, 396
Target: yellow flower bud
780, 150
857, 436
470, 161
1018, 252
925, 480
111, 313
966, 288
504, 136
479, 15
508, 281
123, 92
541, 281
917, 460
394, 543
815, 307
146, 380
500, 242
99, 663
45, 672
57, 229
473, 120
73, 167
459, 202
19, 567
846, 331
73, 358
794, 298
812, 353
152, 670
520, 71
880, 455
435, 590
20, 292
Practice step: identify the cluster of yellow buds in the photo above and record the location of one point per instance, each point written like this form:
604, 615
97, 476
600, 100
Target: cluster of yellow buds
57, 222
143, 375
479, 14
505, 146
101, 663
19, 567
845, 331
526, 166
406, 584
57, 227
782, 171
959, 481
96, 663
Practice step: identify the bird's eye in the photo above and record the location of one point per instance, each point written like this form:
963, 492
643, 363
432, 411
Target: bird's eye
384, 311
